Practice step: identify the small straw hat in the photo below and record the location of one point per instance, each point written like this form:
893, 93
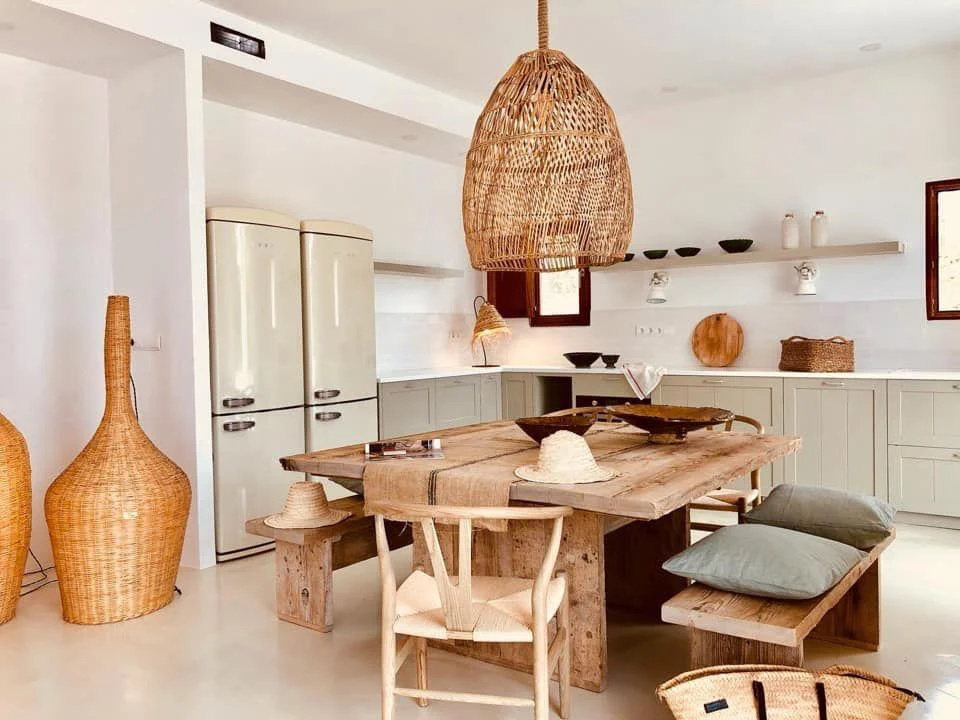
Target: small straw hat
565, 459
306, 507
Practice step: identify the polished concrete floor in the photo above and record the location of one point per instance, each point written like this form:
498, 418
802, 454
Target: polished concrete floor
219, 652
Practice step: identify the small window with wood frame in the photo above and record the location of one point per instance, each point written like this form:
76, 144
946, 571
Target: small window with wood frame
943, 250
547, 299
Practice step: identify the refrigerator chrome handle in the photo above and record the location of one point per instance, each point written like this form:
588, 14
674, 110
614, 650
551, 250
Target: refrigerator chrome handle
325, 394
236, 402
327, 416
238, 425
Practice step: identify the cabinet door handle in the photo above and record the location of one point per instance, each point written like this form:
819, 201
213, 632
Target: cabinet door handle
956, 387
957, 455
238, 425
325, 394
713, 381
235, 402
327, 416
833, 383
458, 382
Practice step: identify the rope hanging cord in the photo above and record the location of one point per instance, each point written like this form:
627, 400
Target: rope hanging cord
543, 26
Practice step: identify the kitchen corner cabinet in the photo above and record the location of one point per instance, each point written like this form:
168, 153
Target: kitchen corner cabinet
518, 395
758, 397
843, 424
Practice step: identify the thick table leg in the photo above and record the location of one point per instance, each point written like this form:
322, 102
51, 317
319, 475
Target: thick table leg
519, 553
855, 620
305, 584
634, 554
708, 649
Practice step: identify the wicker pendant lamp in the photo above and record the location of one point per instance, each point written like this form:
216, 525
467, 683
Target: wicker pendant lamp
118, 513
547, 185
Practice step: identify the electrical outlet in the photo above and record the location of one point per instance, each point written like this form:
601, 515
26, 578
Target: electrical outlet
147, 345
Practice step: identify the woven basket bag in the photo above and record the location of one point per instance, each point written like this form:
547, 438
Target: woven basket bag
801, 354
16, 512
745, 692
117, 515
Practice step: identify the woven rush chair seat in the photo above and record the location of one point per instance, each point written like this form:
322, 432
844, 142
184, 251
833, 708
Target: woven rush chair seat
501, 608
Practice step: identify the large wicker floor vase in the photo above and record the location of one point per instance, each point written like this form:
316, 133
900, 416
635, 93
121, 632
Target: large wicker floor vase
117, 515
16, 514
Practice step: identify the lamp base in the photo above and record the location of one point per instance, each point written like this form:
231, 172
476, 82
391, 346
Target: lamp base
485, 365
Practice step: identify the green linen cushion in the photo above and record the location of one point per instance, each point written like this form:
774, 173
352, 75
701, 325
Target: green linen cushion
766, 561
858, 520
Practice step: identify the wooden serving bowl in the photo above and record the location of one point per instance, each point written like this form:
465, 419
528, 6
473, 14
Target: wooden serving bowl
669, 424
539, 428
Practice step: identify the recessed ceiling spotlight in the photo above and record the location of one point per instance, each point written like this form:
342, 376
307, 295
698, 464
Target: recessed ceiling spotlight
669, 89
871, 47
409, 138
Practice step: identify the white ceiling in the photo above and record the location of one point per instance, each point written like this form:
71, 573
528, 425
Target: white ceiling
631, 48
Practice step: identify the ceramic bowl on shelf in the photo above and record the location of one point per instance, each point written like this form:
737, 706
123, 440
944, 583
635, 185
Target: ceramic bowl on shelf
655, 254
669, 424
539, 428
686, 251
582, 360
736, 245
610, 361
628, 257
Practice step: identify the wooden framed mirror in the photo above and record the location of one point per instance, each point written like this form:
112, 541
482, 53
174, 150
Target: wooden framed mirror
943, 250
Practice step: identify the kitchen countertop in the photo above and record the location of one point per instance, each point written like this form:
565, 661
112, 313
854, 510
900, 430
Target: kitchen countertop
899, 374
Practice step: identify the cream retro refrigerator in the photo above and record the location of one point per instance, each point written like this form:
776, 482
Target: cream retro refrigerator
256, 348
340, 387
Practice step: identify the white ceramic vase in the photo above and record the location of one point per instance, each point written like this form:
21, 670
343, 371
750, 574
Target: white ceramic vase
789, 232
819, 229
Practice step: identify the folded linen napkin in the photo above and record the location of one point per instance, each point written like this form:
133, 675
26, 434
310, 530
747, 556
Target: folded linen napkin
643, 378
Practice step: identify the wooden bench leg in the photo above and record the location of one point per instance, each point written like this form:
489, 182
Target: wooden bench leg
305, 584
855, 620
710, 648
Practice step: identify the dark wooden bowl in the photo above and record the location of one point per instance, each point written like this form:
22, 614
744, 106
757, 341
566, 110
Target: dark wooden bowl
582, 360
539, 428
736, 245
669, 424
686, 251
655, 254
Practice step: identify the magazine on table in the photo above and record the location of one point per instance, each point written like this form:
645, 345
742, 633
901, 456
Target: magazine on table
404, 449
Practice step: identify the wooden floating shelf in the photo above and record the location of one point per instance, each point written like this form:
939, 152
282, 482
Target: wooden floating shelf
427, 271
675, 262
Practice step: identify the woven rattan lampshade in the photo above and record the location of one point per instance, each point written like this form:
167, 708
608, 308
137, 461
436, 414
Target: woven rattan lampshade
547, 185
489, 325
118, 513
15, 515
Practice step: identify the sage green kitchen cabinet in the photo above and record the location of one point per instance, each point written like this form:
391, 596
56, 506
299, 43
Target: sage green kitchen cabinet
605, 385
491, 400
924, 413
458, 401
843, 424
758, 397
518, 395
407, 408
925, 480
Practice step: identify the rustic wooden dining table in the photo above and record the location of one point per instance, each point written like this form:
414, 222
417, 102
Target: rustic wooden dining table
615, 542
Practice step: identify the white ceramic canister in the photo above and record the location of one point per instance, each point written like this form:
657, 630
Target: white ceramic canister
819, 229
789, 232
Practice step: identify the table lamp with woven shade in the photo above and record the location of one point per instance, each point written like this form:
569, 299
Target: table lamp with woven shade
547, 185
489, 324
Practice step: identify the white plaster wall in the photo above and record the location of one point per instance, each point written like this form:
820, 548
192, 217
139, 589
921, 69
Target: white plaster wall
412, 204
859, 145
55, 263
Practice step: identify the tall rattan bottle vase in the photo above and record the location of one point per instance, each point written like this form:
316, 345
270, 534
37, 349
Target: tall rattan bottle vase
117, 515
16, 513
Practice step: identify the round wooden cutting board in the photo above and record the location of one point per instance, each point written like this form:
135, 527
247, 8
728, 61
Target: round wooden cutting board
717, 340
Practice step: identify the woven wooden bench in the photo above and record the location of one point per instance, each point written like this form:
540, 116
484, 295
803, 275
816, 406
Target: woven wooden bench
732, 629
306, 559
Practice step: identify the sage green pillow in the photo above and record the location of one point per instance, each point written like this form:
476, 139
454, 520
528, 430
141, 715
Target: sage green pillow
766, 561
858, 520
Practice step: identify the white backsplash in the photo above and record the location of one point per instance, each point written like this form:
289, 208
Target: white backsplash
410, 341
889, 334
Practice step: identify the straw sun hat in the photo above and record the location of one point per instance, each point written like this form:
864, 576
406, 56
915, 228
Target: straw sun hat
306, 507
565, 459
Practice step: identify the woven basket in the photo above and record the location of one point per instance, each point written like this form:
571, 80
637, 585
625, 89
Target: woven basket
547, 185
15, 515
117, 515
744, 692
800, 354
